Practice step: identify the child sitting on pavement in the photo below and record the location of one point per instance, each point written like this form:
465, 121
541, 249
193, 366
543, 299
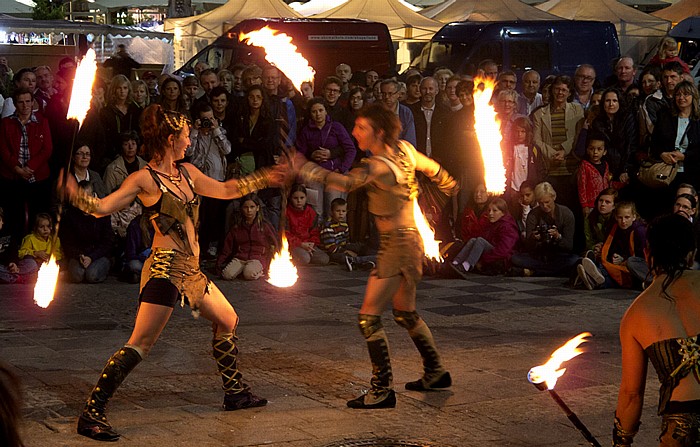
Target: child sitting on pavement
303, 229
37, 246
335, 235
622, 262
597, 225
12, 269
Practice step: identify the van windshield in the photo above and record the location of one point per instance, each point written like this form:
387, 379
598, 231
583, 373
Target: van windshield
447, 54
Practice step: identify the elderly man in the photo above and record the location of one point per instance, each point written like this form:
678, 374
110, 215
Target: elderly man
531, 97
344, 73
625, 73
584, 77
389, 97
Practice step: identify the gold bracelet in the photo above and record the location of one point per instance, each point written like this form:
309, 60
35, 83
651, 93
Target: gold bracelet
85, 202
622, 437
313, 173
255, 181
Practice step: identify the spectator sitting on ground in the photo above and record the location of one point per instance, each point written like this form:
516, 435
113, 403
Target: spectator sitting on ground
335, 237
525, 204
549, 237
303, 229
622, 260
475, 216
38, 246
12, 268
136, 249
249, 245
599, 222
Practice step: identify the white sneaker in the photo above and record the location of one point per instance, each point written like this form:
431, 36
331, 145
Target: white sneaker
592, 270
348, 262
583, 276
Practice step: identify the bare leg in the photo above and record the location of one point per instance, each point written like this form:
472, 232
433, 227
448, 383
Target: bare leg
218, 310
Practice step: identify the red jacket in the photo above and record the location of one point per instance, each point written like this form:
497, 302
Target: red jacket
247, 242
302, 226
471, 225
39, 147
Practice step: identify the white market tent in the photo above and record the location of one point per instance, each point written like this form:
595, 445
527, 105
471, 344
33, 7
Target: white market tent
485, 11
638, 32
192, 34
679, 11
313, 7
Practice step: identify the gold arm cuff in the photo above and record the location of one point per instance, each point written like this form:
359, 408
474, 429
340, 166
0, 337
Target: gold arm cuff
255, 181
622, 437
313, 173
85, 202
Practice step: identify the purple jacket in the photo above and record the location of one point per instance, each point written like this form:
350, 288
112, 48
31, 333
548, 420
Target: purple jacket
332, 136
503, 235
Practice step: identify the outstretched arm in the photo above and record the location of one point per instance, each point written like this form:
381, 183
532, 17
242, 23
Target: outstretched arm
118, 200
235, 188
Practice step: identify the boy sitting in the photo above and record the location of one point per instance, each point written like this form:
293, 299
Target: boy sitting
335, 235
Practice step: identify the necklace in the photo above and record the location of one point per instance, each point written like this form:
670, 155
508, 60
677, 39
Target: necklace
174, 179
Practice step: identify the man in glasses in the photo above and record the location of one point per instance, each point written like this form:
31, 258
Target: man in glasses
389, 97
331, 91
584, 77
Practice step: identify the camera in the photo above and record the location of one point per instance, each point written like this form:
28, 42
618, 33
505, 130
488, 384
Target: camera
543, 231
205, 123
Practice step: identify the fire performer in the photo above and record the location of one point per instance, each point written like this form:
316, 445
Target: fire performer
663, 325
170, 191
390, 177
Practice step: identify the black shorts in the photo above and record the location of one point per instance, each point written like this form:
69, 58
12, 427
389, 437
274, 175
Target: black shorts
159, 291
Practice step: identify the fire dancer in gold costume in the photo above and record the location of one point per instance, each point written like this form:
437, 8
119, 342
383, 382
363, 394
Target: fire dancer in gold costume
170, 192
390, 177
663, 325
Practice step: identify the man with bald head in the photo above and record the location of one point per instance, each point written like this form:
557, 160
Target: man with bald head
429, 118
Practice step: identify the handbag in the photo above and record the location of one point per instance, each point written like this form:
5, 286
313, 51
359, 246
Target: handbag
657, 174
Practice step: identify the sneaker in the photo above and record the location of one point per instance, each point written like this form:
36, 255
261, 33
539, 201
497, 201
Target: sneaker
459, 269
590, 255
348, 262
368, 265
592, 270
583, 277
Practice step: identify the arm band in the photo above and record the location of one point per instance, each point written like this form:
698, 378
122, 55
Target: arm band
622, 437
445, 182
313, 172
255, 181
85, 202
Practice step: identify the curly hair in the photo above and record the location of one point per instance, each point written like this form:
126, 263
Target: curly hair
156, 126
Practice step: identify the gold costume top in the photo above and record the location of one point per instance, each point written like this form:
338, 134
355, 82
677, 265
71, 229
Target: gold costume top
382, 201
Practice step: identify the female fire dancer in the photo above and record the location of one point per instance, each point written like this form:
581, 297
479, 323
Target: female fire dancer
170, 192
390, 176
663, 325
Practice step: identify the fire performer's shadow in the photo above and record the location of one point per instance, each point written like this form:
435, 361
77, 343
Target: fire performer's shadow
437, 399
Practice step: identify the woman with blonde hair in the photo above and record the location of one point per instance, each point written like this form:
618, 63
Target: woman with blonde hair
119, 115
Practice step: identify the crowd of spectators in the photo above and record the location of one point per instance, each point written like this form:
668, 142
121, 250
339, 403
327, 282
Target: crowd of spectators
572, 145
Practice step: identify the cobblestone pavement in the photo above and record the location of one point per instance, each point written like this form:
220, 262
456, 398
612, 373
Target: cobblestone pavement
301, 349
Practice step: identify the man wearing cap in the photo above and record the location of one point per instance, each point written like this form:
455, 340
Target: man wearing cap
151, 81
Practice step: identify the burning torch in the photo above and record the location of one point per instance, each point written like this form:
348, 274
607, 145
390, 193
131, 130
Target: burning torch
544, 377
81, 95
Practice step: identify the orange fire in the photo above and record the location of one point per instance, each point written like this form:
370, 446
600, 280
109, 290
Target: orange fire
550, 371
488, 133
81, 94
281, 52
431, 247
282, 272
46, 283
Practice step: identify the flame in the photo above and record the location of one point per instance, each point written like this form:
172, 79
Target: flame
431, 247
488, 133
46, 283
282, 272
81, 94
550, 372
281, 52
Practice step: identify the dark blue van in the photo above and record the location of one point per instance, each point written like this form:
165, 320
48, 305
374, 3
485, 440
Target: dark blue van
550, 47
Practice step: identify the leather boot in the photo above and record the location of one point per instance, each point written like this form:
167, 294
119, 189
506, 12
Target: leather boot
237, 395
93, 422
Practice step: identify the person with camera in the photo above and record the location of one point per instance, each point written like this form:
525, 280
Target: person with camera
549, 237
208, 149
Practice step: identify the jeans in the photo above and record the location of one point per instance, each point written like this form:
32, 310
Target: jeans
472, 251
26, 267
96, 272
557, 264
303, 257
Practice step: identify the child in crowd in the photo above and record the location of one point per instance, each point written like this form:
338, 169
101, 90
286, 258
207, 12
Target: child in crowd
593, 174
249, 244
12, 269
38, 246
525, 204
475, 216
303, 230
622, 262
335, 236
522, 159
599, 222
490, 252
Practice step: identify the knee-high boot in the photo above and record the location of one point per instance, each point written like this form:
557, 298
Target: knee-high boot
381, 395
93, 422
434, 374
237, 395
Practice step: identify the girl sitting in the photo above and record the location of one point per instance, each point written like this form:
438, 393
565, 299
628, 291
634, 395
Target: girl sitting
39, 244
597, 225
249, 244
490, 252
303, 230
474, 216
622, 262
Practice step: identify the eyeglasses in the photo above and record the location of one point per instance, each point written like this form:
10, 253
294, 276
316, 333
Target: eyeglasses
333, 90
585, 78
387, 94
82, 154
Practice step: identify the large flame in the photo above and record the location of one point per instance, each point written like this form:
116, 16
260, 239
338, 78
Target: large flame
46, 283
488, 133
81, 94
550, 371
281, 52
431, 247
282, 272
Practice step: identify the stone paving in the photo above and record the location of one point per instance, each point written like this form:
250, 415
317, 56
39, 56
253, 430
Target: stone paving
301, 349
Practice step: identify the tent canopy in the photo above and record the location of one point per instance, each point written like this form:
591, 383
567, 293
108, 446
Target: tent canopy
403, 23
481, 11
638, 32
679, 11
